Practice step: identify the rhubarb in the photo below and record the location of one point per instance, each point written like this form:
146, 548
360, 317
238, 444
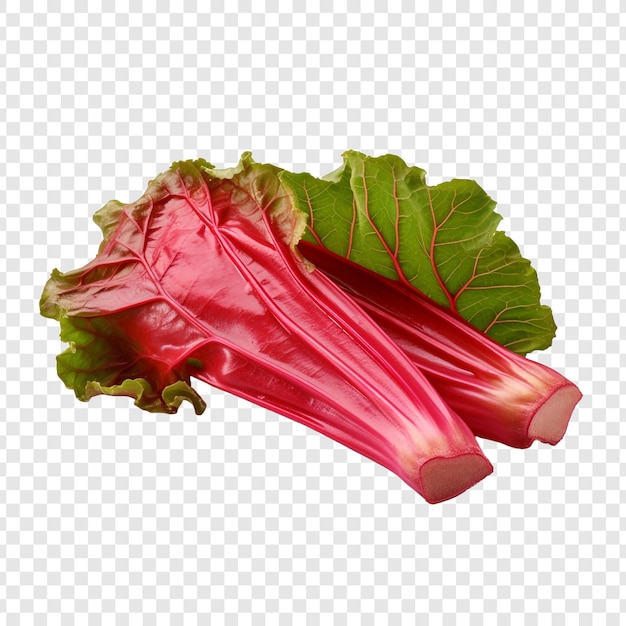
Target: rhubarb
201, 278
455, 294
499, 394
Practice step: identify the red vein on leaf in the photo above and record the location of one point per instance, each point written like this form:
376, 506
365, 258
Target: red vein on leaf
493, 321
474, 276
527, 322
452, 209
310, 225
394, 258
193, 321
436, 226
467, 283
495, 287
458, 241
352, 227
132, 252
518, 342
397, 220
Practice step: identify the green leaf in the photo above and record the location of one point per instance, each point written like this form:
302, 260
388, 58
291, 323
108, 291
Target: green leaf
441, 240
103, 307
97, 356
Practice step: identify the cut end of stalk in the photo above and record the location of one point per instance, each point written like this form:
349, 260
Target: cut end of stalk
445, 478
550, 421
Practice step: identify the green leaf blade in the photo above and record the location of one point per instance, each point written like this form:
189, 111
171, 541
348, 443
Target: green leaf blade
381, 189
442, 240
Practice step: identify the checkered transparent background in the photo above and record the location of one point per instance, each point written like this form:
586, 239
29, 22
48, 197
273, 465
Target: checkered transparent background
109, 515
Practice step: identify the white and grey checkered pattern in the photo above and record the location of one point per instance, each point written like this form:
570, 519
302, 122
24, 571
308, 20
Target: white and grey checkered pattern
109, 515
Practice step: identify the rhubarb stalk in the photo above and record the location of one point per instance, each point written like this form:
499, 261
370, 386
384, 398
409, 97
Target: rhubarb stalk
501, 395
200, 278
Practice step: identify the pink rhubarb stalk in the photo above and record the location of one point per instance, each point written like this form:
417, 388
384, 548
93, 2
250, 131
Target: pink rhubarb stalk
499, 394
